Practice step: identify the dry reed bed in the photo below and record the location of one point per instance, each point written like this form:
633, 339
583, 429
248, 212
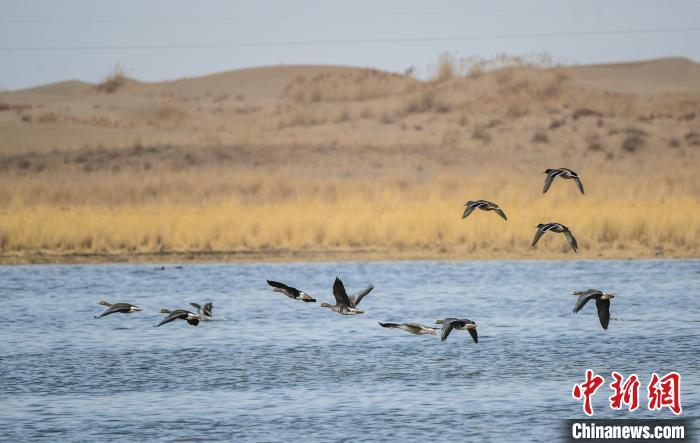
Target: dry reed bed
616, 219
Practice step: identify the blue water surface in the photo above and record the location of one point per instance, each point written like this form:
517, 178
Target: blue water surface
273, 369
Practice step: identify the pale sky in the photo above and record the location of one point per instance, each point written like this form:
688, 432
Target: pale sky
44, 41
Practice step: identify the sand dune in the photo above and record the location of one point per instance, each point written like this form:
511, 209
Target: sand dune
316, 142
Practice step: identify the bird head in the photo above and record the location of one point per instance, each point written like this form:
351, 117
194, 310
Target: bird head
165, 311
607, 295
136, 308
325, 305
104, 303
539, 226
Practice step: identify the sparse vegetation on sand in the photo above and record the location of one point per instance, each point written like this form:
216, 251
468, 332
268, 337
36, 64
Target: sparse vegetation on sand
304, 163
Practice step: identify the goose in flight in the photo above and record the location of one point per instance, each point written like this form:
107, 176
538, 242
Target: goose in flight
291, 292
413, 328
484, 206
343, 304
182, 314
205, 312
124, 308
563, 173
558, 228
602, 302
464, 324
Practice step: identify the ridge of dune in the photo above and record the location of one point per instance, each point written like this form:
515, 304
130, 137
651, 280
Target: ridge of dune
656, 76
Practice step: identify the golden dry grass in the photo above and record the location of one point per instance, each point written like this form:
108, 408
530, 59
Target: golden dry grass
615, 219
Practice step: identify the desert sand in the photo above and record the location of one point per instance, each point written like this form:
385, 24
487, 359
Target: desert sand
332, 163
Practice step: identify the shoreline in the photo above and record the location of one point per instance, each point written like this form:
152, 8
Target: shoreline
296, 256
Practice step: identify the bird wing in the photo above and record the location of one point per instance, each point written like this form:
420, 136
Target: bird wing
500, 212
468, 210
474, 335
173, 316
197, 306
548, 181
341, 297
357, 297
572, 240
579, 184
447, 326
603, 312
582, 300
538, 234
287, 290
119, 307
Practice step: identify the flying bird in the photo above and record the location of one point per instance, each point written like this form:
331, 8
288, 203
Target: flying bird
124, 308
602, 302
413, 328
563, 173
343, 305
181, 314
291, 292
484, 206
464, 324
558, 228
205, 312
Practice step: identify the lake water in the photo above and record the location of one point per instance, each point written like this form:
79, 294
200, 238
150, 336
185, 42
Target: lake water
273, 369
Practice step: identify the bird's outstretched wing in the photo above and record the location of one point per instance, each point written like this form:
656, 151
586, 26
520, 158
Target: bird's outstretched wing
196, 306
474, 335
109, 311
357, 297
548, 181
538, 234
171, 317
118, 307
447, 326
500, 212
284, 289
582, 300
468, 210
603, 312
341, 297
579, 184
572, 240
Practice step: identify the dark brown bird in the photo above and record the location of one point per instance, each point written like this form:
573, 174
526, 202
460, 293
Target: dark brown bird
602, 302
291, 292
484, 206
558, 228
182, 314
563, 173
464, 324
124, 308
